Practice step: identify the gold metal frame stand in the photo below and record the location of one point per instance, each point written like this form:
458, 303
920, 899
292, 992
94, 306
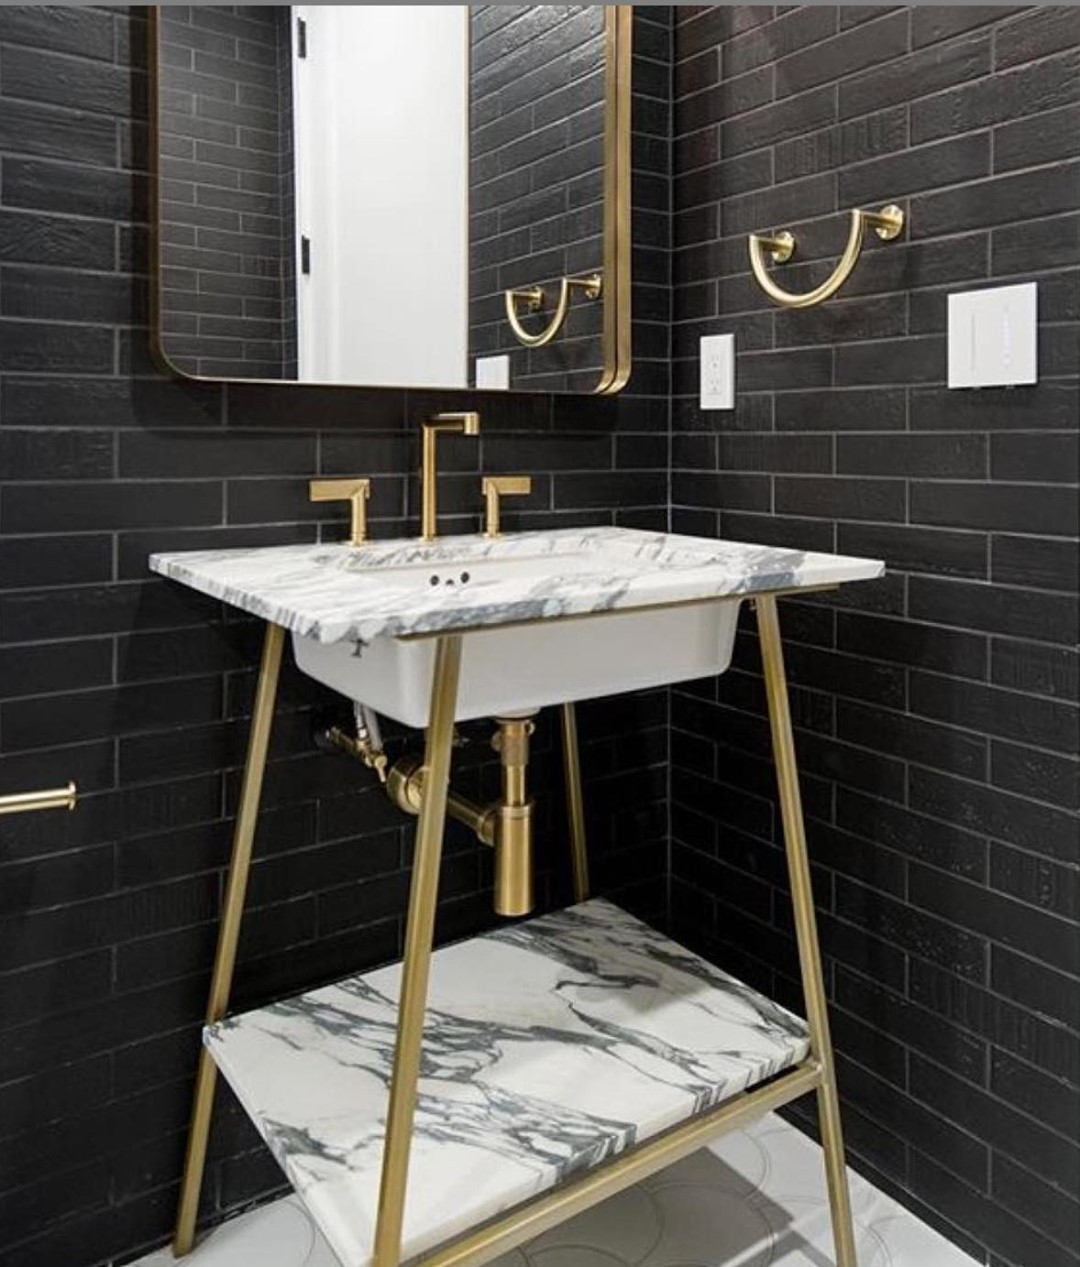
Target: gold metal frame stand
247, 818
575, 802
802, 898
816, 1073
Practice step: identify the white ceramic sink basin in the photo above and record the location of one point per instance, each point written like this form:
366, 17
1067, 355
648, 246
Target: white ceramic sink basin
549, 616
521, 667
516, 668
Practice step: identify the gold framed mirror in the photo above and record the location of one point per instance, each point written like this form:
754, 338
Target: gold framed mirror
392, 196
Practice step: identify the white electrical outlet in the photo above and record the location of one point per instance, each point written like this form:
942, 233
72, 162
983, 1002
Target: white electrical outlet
993, 336
493, 372
717, 355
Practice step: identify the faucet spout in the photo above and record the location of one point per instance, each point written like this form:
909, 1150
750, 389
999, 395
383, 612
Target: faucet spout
464, 423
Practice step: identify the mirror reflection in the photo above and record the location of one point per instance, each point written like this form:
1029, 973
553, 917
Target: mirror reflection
405, 195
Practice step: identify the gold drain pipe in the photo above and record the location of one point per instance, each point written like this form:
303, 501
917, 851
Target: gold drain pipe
506, 824
514, 838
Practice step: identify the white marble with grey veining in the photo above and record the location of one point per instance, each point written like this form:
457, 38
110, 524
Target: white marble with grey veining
338, 592
549, 1046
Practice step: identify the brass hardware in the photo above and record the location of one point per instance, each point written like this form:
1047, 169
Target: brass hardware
416, 965
496, 486
355, 492
590, 284
888, 223
526, 1222
50, 798
802, 900
514, 840
575, 803
262, 717
466, 423
405, 787
531, 296
507, 824
361, 747
780, 248
616, 268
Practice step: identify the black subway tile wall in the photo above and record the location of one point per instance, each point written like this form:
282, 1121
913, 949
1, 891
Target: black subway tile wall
936, 710
536, 183
229, 279
140, 690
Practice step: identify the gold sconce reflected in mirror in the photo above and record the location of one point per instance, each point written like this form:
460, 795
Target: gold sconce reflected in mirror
532, 297
888, 223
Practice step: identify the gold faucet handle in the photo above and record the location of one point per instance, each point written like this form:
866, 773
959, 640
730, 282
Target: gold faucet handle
497, 486
356, 492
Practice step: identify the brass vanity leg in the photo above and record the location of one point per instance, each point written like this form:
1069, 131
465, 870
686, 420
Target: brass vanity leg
802, 898
419, 932
247, 815
575, 803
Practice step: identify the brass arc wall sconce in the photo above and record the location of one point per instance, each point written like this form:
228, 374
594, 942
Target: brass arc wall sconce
887, 223
591, 284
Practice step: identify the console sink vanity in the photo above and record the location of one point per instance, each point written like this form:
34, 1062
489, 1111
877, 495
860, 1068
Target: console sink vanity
452, 1107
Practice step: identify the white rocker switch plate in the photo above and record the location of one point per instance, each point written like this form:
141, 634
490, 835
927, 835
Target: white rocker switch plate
992, 337
493, 372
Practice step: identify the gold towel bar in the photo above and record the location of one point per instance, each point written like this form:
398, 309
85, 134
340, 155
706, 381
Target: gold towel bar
50, 798
533, 297
888, 223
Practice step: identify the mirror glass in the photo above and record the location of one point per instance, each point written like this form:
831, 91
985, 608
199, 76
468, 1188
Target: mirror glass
407, 195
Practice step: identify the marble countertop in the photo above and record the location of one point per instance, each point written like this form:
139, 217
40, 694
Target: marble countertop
338, 592
549, 1047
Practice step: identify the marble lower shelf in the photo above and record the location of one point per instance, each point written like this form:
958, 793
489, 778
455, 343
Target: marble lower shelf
549, 1047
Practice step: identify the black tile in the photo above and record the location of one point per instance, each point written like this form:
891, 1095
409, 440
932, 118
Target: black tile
840, 498
86, 191
1037, 561
993, 608
879, 409
1024, 718
1045, 138
939, 940
915, 740
86, 506
1043, 191
912, 1024
1016, 1135
930, 23
1050, 886
963, 1153
916, 549
1044, 776
1052, 406
990, 1014
1047, 510
1013, 819
950, 651
1035, 33
999, 99
1035, 667
1036, 985
968, 1206
912, 835
931, 68
1036, 1202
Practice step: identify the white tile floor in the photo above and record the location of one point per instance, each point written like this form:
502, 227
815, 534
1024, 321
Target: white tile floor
754, 1199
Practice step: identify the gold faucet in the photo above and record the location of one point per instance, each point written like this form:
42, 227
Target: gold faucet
467, 423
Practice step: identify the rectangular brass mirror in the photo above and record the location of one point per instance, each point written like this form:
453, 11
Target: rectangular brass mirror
399, 196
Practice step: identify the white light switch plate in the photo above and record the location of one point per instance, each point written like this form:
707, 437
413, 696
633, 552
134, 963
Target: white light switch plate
493, 372
992, 337
717, 359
